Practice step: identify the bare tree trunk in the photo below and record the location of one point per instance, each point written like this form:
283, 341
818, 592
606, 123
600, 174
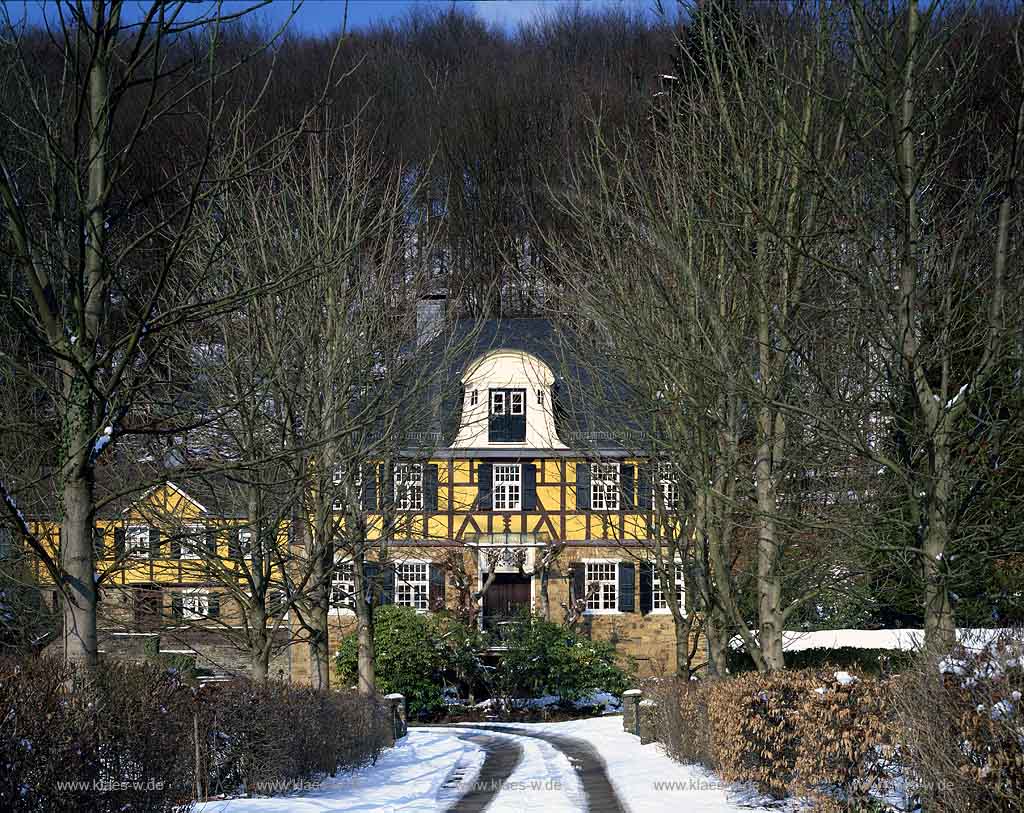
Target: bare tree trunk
683, 626
318, 612
769, 554
366, 658
80, 644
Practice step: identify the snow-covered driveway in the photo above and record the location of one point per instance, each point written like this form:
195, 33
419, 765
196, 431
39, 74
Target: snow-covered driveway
582, 765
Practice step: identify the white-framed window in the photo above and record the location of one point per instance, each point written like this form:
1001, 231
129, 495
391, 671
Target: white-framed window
517, 405
604, 486
540, 397
668, 485
602, 585
497, 402
659, 601
195, 604
338, 480
409, 486
412, 585
507, 486
343, 586
474, 397
136, 541
193, 543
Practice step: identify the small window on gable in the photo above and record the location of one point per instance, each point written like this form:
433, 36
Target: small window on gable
540, 397
474, 397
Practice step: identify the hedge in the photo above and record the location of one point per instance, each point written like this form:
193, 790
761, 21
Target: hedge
123, 737
947, 731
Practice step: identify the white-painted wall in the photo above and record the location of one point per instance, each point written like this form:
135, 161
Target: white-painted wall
511, 369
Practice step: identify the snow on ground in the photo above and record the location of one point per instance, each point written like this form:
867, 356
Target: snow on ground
408, 777
907, 639
417, 775
645, 778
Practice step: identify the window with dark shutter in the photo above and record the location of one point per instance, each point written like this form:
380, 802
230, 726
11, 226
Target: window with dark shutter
436, 587
235, 543
582, 486
484, 481
529, 487
154, 543
98, 546
578, 571
430, 487
211, 542
368, 497
119, 550
646, 587
627, 587
387, 585
645, 489
175, 546
626, 482
507, 416
177, 606
213, 605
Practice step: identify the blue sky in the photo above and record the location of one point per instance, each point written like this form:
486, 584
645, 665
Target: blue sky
325, 16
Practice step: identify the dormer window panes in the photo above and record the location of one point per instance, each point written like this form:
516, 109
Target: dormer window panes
507, 419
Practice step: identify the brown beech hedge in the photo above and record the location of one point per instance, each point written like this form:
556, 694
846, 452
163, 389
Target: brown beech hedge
946, 734
141, 738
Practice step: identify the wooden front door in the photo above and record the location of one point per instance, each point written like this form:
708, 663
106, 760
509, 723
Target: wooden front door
507, 598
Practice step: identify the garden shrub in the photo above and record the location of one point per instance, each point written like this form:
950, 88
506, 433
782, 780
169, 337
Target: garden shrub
123, 736
962, 728
753, 727
544, 658
409, 659
681, 718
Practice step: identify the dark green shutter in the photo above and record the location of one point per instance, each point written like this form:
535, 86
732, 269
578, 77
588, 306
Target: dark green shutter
98, 546
175, 541
436, 587
529, 487
154, 543
646, 587
213, 605
579, 580
119, 542
235, 543
177, 610
371, 589
627, 477
583, 486
368, 499
430, 487
211, 542
389, 486
627, 587
387, 585
485, 486
645, 489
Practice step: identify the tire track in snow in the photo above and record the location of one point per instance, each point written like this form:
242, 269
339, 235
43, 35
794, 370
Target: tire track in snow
501, 756
585, 760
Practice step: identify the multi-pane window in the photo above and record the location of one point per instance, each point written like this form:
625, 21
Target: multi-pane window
193, 542
507, 487
668, 485
136, 540
540, 397
412, 585
498, 402
195, 604
604, 486
602, 585
342, 586
409, 486
517, 402
338, 480
659, 600
474, 397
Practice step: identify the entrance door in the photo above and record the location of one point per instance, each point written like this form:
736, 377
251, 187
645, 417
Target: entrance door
506, 599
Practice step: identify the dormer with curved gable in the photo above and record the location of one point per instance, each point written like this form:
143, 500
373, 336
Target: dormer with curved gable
508, 403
